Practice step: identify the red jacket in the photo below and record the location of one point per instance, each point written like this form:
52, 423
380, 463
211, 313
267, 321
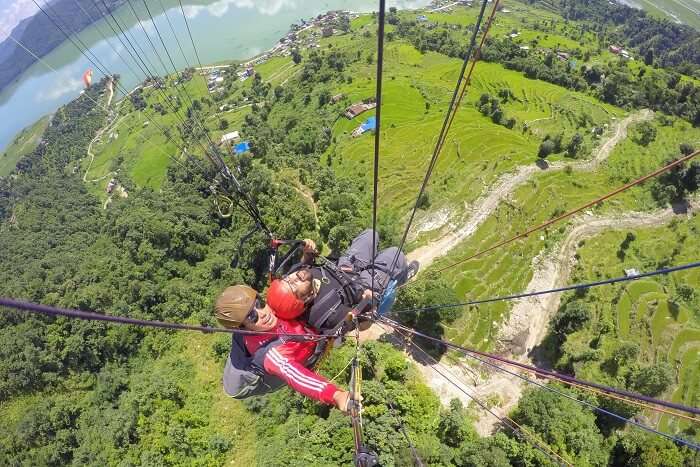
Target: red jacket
286, 361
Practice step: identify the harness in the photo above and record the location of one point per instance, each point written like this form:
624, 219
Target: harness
330, 309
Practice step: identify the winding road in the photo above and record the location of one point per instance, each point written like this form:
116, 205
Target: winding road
528, 320
508, 183
526, 326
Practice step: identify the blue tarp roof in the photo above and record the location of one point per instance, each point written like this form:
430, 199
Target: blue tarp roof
370, 124
241, 147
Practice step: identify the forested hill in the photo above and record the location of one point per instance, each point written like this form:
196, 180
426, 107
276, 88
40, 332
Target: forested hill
673, 45
74, 392
39, 34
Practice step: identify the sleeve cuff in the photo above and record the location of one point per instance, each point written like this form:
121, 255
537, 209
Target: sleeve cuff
327, 394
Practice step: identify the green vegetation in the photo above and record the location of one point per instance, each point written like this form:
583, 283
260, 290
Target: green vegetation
24, 143
76, 392
636, 327
550, 193
686, 12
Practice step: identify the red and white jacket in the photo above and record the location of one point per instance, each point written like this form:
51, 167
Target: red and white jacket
286, 361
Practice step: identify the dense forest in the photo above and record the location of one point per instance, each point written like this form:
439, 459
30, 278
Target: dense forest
90, 394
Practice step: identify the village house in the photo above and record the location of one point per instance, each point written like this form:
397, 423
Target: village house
356, 109
230, 137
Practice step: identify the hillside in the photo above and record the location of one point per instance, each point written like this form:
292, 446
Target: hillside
679, 12
552, 120
23, 144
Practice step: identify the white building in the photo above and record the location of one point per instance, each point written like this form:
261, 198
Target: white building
229, 137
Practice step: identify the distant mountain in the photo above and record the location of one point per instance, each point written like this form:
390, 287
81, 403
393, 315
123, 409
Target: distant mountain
39, 34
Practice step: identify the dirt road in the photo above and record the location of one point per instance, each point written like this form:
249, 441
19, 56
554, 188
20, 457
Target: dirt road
91, 155
527, 324
508, 183
110, 87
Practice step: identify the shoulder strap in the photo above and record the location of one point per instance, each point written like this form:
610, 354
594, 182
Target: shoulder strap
343, 278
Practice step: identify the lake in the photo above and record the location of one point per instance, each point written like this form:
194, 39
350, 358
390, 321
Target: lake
222, 30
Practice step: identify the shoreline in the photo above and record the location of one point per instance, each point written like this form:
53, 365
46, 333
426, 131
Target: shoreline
221, 64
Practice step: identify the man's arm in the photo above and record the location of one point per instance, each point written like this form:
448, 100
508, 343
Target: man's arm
280, 361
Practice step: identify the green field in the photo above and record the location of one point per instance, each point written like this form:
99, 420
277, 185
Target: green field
135, 143
508, 270
23, 144
684, 11
417, 89
649, 312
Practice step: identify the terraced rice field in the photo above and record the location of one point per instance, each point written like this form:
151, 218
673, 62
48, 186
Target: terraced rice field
477, 151
649, 311
508, 270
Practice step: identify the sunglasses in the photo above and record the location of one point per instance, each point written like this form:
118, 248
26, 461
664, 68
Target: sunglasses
252, 315
300, 276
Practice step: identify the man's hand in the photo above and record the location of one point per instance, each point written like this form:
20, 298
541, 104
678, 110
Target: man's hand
310, 251
341, 399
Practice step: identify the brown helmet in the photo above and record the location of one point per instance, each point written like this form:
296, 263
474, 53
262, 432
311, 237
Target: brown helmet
234, 304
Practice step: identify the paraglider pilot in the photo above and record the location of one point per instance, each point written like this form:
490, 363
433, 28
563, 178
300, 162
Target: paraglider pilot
311, 299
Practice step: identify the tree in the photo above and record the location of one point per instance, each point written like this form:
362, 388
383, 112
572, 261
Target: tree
652, 380
624, 353
546, 148
574, 146
454, 428
223, 124
324, 97
639, 448
649, 57
571, 317
392, 17
565, 425
645, 134
686, 149
423, 201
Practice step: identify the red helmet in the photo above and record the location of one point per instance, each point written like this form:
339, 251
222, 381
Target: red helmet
283, 302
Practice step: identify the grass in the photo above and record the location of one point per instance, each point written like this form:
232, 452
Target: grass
509, 269
23, 144
665, 333
136, 144
477, 151
227, 417
685, 11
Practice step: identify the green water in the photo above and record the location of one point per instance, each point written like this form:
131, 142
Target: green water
222, 30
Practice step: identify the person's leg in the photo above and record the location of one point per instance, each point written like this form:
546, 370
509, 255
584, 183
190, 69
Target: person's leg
385, 259
360, 252
382, 274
